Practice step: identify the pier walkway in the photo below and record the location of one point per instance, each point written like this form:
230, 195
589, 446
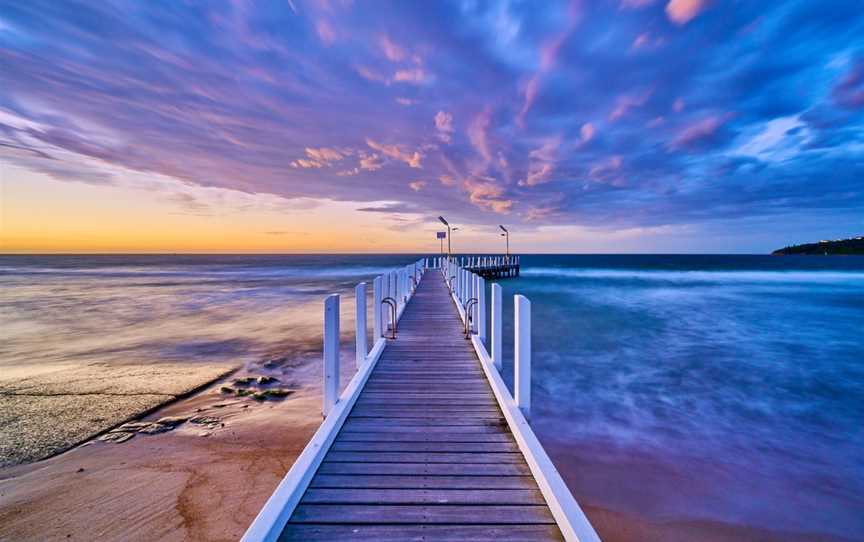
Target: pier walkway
426, 442
425, 453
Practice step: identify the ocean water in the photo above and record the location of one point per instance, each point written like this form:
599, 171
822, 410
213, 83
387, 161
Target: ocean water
146, 309
726, 388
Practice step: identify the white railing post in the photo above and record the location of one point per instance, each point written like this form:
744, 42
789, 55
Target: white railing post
522, 380
481, 309
472, 293
331, 352
377, 330
360, 323
496, 325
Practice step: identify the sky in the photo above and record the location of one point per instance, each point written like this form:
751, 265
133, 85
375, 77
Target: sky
295, 126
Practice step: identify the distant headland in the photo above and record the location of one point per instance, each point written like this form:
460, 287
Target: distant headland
843, 247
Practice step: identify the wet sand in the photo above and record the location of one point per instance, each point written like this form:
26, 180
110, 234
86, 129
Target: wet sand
49, 408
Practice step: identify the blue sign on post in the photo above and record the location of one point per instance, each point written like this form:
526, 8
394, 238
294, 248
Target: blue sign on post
441, 235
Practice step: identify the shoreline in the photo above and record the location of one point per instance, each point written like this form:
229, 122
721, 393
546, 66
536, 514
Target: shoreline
47, 411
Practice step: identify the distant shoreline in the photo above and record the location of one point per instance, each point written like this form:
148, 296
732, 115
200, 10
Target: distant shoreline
840, 247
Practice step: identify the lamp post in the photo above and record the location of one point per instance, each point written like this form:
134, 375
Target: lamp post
506, 235
441, 218
449, 233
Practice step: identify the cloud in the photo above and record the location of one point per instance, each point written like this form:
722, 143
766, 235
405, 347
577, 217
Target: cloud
393, 207
326, 32
607, 171
587, 132
626, 102
392, 51
306, 164
699, 132
444, 125
413, 76
477, 134
548, 55
318, 158
371, 162
487, 194
849, 92
683, 11
542, 162
417, 185
412, 159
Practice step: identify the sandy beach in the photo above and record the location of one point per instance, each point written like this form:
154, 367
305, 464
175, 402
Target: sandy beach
199, 481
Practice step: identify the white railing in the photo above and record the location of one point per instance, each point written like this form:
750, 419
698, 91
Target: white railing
473, 262
399, 285
468, 292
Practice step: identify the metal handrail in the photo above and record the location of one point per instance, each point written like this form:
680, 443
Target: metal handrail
468, 319
392, 304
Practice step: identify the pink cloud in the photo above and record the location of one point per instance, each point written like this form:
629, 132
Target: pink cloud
607, 171
392, 51
447, 180
542, 163
396, 153
627, 102
477, 134
414, 76
371, 162
306, 164
325, 32
417, 185
485, 193
444, 125
699, 131
682, 12
587, 132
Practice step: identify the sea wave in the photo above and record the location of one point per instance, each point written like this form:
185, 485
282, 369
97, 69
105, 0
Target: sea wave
697, 276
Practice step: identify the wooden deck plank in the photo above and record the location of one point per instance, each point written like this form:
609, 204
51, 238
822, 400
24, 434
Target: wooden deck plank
419, 533
422, 496
372, 481
478, 425
476, 447
424, 457
422, 514
415, 436
420, 469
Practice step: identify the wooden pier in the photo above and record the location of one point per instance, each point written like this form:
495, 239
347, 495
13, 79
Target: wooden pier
426, 443
491, 267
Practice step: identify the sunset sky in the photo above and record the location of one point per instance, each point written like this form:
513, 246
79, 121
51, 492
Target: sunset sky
295, 126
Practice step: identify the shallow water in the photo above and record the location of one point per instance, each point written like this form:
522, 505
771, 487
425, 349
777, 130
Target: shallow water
673, 387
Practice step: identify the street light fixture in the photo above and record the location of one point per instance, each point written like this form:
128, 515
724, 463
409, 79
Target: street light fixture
441, 218
506, 235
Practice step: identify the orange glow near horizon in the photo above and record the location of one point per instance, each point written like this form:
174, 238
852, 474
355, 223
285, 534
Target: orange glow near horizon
39, 214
